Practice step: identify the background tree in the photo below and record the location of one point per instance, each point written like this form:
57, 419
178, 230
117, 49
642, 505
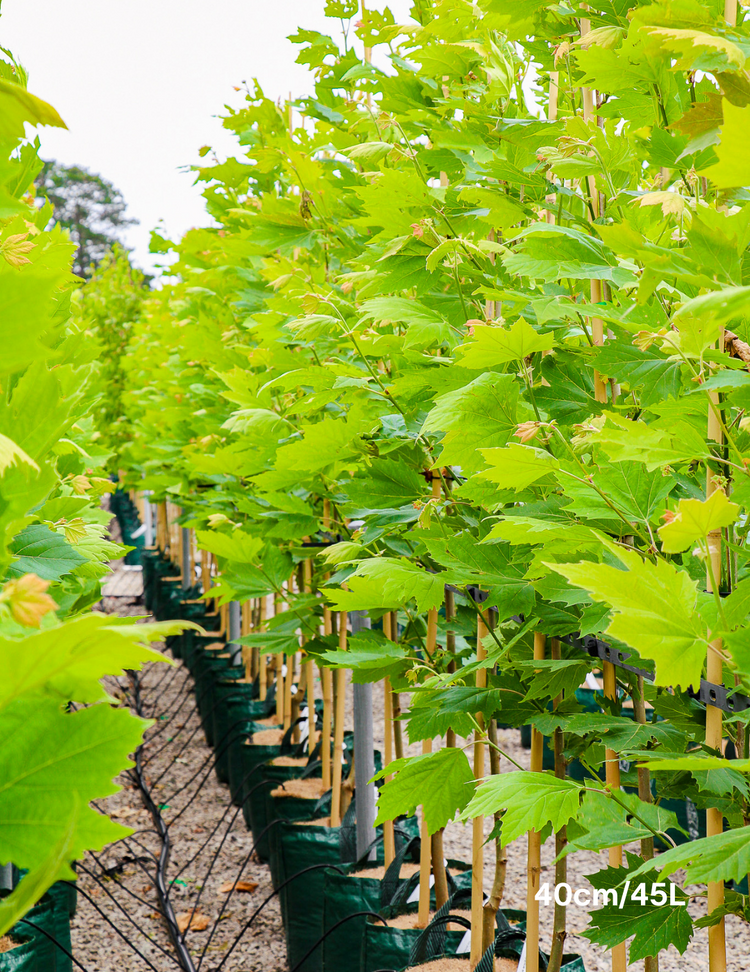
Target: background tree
109, 304
87, 205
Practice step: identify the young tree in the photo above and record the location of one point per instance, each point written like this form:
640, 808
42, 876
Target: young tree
87, 205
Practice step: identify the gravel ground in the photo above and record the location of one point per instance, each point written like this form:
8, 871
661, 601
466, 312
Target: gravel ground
202, 824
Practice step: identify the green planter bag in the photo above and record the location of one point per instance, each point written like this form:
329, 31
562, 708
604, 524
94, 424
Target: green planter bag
22, 958
234, 718
297, 847
33, 925
256, 806
59, 894
347, 894
388, 947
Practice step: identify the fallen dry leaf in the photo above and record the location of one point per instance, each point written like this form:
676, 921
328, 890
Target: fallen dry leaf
193, 920
247, 886
124, 812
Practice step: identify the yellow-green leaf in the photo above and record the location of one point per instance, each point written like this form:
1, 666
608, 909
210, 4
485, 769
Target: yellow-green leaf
695, 519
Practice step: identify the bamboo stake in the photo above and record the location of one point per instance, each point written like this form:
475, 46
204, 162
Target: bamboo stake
389, 843
327, 708
290, 664
338, 729
205, 572
279, 681
327, 677
425, 847
247, 652
651, 962
534, 856
477, 824
263, 671
279, 673
495, 898
425, 861
310, 670
559, 930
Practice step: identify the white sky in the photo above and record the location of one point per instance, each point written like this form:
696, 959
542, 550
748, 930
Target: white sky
140, 83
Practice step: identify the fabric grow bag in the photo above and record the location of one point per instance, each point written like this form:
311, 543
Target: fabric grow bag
312, 849
22, 958
345, 895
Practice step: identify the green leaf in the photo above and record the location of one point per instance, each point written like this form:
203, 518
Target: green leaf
440, 782
237, 546
530, 800
37, 882
493, 345
10, 453
654, 611
370, 656
733, 167
624, 440
18, 106
385, 583
567, 389
42, 552
517, 466
695, 519
649, 372
69, 660
492, 568
481, 414
433, 713
550, 677
602, 822
653, 927
637, 492
60, 761
723, 857
385, 484
548, 252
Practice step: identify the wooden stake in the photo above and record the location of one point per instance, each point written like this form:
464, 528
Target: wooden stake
290, 663
327, 678
338, 729
425, 850
312, 738
425, 861
327, 708
477, 824
247, 652
263, 672
389, 842
534, 856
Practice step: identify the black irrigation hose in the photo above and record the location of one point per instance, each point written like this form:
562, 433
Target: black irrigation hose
206, 841
55, 942
305, 870
124, 887
148, 938
184, 958
119, 931
342, 921
165, 724
225, 903
209, 761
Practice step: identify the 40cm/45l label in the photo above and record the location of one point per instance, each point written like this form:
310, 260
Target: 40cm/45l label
654, 895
